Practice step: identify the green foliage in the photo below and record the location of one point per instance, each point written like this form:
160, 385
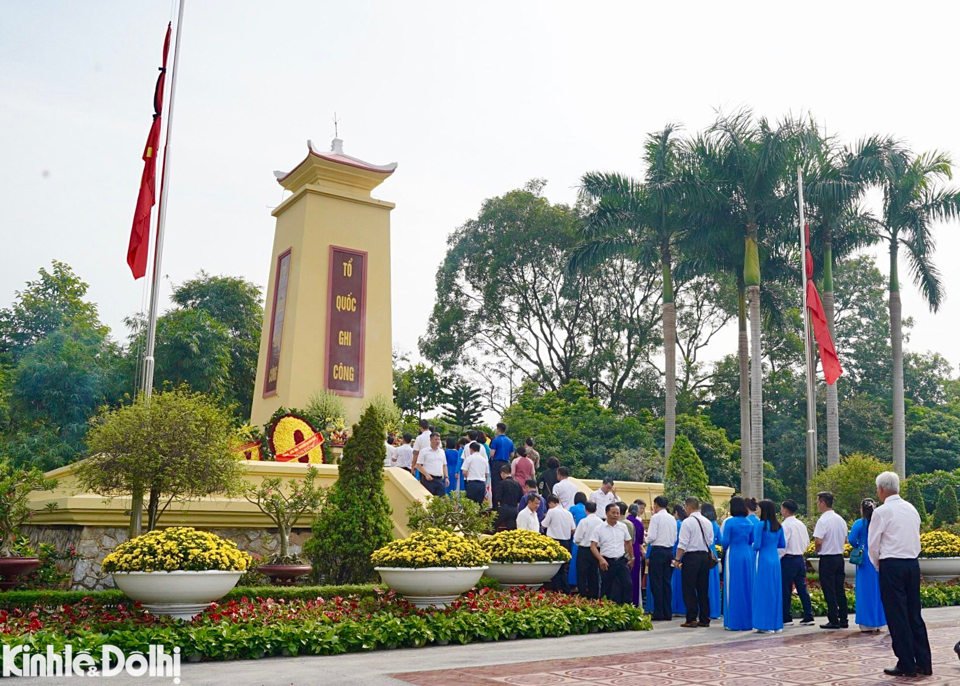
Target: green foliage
685, 475
946, 511
327, 408
176, 446
16, 485
913, 494
388, 412
933, 483
463, 406
635, 464
850, 482
720, 457
193, 349
933, 439
573, 426
416, 390
49, 574
285, 505
355, 520
455, 513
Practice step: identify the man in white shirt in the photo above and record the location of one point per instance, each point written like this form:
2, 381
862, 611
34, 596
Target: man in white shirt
527, 518
423, 440
564, 489
403, 455
388, 457
558, 524
474, 473
693, 558
830, 535
661, 536
894, 545
588, 572
610, 545
605, 495
432, 464
793, 567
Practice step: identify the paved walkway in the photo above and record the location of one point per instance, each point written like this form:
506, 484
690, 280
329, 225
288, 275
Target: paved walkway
666, 656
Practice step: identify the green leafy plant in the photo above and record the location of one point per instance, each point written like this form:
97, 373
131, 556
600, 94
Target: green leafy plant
455, 513
850, 482
285, 505
327, 408
685, 475
355, 520
16, 485
946, 511
913, 494
49, 574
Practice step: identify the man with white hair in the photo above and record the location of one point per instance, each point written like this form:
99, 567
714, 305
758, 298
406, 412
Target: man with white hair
894, 545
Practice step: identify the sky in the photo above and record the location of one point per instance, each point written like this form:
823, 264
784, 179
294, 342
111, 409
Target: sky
472, 100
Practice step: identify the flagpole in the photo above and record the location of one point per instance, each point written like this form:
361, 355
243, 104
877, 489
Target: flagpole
811, 434
148, 359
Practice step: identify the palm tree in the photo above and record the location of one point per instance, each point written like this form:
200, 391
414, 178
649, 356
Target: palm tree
912, 201
756, 155
641, 221
835, 178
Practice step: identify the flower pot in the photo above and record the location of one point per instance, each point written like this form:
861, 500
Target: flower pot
532, 575
430, 586
940, 568
849, 569
179, 594
284, 575
13, 567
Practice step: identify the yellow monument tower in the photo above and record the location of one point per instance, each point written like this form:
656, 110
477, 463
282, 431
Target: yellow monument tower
327, 319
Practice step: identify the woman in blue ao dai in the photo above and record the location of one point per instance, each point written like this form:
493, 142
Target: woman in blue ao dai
579, 512
739, 568
676, 580
716, 603
767, 584
869, 612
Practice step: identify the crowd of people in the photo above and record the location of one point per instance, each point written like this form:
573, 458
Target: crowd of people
745, 569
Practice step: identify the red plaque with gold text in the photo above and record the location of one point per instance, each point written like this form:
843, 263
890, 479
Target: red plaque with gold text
346, 319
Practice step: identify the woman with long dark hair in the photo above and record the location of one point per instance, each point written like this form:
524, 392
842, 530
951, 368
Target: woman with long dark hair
869, 610
767, 586
739, 568
676, 579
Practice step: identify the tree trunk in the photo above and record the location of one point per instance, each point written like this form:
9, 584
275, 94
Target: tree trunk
743, 355
896, 343
670, 355
153, 509
136, 514
284, 535
756, 396
833, 402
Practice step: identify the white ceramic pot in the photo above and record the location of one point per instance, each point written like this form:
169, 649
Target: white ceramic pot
531, 575
431, 586
849, 570
940, 568
179, 594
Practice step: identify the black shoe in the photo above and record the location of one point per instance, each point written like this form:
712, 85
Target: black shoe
896, 671
807, 622
844, 625
926, 671
704, 625
787, 622
830, 625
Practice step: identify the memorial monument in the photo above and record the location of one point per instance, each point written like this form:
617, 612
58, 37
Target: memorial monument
327, 318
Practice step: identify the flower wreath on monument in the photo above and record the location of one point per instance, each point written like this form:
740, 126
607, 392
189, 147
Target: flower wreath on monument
290, 436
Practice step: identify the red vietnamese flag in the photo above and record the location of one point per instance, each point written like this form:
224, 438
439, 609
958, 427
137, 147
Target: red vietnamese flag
821, 331
140, 233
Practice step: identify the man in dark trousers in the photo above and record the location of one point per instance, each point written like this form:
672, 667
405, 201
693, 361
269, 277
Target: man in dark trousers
506, 499
693, 558
611, 547
661, 536
894, 546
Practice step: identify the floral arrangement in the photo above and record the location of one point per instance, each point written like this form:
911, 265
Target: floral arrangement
176, 549
518, 545
290, 430
939, 543
431, 548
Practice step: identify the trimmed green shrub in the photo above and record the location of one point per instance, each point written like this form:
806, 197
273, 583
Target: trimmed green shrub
946, 511
854, 479
913, 494
685, 474
455, 513
355, 520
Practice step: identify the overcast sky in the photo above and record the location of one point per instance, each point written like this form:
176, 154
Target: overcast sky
472, 100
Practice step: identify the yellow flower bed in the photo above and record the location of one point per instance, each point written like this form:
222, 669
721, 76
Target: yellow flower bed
519, 545
431, 548
939, 544
176, 549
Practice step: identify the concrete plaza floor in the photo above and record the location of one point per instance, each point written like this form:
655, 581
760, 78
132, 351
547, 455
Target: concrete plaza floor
666, 656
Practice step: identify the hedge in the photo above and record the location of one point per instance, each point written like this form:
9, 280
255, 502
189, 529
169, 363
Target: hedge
931, 595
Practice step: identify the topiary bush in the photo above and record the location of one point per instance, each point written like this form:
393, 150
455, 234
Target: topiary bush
455, 513
913, 494
355, 521
946, 511
685, 475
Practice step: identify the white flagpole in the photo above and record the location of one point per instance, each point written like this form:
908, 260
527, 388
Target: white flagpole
148, 359
808, 350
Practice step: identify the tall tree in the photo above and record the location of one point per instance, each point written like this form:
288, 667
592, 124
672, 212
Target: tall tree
463, 405
756, 154
642, 222
913, 200
416, 389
